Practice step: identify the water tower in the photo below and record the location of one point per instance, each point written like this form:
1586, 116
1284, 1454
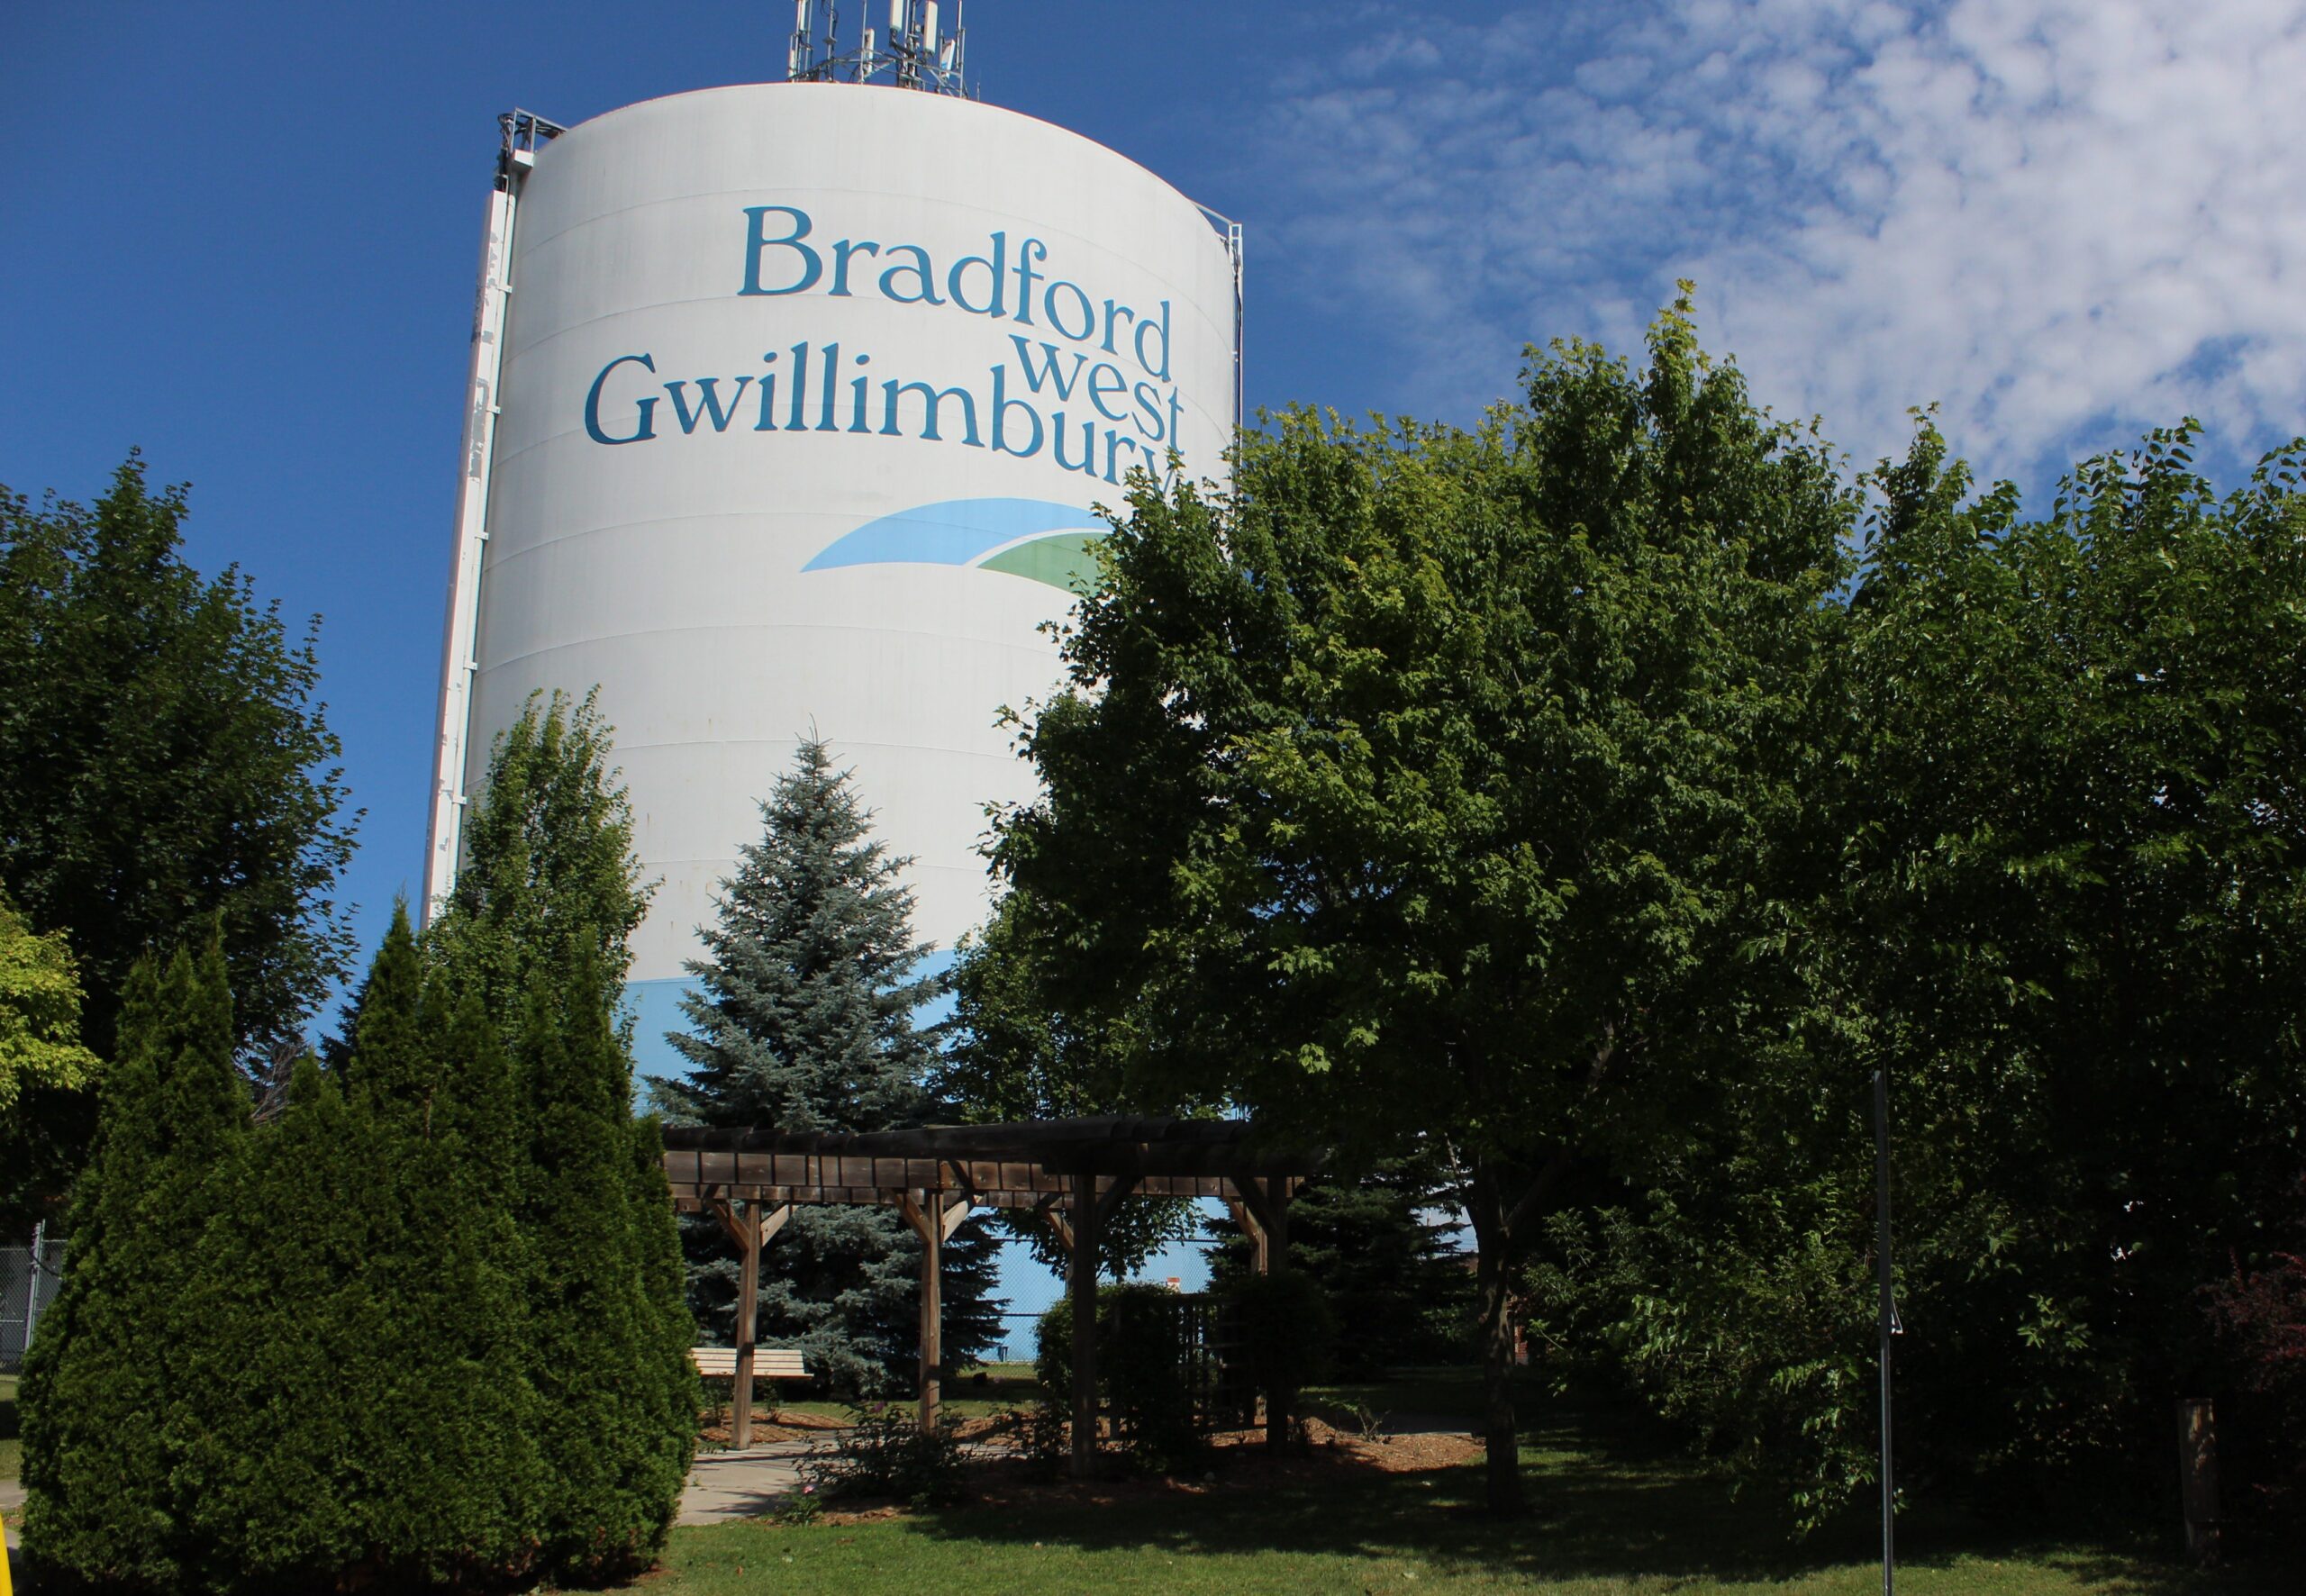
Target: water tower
791, 406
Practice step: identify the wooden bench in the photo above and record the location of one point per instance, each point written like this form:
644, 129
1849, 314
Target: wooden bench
769, 1362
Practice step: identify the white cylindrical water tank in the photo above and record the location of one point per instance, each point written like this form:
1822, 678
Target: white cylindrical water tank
806, 395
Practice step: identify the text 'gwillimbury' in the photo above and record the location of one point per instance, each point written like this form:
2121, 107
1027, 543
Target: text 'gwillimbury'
1089, 382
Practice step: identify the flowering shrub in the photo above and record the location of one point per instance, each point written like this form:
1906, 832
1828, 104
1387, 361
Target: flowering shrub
802, 1506
2261, 1317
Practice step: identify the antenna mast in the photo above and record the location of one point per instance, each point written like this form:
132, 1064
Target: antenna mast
909, 52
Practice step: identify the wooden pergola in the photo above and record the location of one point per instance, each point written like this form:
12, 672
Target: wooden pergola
1070, 1174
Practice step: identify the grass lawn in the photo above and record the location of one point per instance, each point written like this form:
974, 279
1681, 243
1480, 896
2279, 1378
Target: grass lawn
12, 1450
1612, 1512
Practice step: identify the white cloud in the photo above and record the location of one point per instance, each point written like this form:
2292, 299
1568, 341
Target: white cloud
2064, 222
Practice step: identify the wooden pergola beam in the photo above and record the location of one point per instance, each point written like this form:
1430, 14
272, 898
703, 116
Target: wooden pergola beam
1054, 1217
695, 1197
1088, 1141
693, 1167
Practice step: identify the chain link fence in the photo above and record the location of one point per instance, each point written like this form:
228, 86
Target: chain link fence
29, 1278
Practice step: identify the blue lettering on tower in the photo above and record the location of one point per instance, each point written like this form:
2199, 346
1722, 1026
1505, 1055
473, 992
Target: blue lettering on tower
757, 242
647, 428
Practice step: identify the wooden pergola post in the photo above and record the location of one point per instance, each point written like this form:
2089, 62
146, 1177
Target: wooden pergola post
1081, 1287
1278, 1190
932, 1321
934, 1217
1261, 1208
1280, 1406
750, 1228
740, 1399
1260, 1260
2198, 1477
1091, 1210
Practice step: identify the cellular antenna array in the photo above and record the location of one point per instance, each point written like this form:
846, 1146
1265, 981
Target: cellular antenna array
909, 52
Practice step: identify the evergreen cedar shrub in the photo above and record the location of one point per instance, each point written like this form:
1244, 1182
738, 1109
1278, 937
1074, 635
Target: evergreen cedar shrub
359, 1409
106, 1493
1377, 1245
673, 1390
602, 1354
422, 1331
282, 1356
1285, 1326
535, 933
1139, 1376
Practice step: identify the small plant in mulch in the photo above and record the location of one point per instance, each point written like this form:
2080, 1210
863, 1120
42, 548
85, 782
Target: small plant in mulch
801, 1508
1039, 1431
883, 1453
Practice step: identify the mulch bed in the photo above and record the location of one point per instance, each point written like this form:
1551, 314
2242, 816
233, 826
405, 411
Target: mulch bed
768, 1427
1238, 1461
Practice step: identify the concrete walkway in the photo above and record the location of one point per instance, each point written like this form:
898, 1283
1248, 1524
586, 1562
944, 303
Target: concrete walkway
12, 1505
726, 1485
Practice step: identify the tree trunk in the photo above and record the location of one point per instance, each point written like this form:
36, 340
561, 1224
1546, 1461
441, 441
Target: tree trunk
1493, 1260
1082, 1287
1281, 1401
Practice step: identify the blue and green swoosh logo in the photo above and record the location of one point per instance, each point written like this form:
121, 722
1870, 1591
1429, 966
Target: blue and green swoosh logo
1037, 539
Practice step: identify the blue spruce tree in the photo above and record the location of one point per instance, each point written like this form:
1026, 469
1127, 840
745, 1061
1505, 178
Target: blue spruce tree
808, 1019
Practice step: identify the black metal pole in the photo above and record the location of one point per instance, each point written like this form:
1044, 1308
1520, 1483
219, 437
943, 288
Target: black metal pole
1887, 1312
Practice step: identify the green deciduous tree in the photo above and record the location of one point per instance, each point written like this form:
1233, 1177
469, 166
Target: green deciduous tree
2076, 912
2059, 849
1423, 787
162, 760
1010, 1055
163, 767
106, 1490
39, 1017
805, 1018
1733, 1298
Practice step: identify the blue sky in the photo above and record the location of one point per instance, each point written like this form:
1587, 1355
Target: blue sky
243, 236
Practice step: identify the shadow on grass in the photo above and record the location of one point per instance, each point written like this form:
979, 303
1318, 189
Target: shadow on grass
1608, 1498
